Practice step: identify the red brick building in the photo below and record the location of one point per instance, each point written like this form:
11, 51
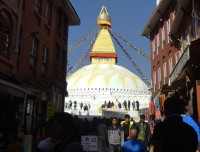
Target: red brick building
174, 31
163, 50
33, 57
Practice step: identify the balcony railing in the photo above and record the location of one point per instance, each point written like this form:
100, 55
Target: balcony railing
180, 64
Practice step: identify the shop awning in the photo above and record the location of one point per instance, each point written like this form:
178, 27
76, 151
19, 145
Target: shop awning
11, 89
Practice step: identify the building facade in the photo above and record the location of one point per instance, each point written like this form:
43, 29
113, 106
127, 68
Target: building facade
173, 30
33, 57
163, 50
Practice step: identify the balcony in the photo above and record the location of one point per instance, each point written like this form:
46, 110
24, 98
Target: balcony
180, 65
185, 66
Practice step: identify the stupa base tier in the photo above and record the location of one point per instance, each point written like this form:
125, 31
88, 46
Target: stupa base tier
107, 113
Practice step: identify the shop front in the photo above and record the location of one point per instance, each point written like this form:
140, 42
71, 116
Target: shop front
21, 116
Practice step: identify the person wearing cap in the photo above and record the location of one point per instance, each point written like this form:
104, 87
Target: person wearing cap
126, 124
145, 133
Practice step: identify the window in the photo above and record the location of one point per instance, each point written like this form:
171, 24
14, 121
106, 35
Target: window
159, 78
176, 57
59, 103
37, 6
154, 81
163, 37
181, 49
57, 98
48, 14
168, 28
44, 55
34, 49
153, 48
168, 25
44, 59
170, 65
164, 73
187, 36
57, 54
64, 59
59, 19
195, 28
173, 14
158, 43
5, 32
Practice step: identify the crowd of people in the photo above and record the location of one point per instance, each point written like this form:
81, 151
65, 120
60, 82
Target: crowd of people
74, 105
126, 104
178, 132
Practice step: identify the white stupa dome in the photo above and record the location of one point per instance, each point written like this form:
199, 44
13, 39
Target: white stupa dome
106, 76
96, 83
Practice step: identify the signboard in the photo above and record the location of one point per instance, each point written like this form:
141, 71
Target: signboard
89, 143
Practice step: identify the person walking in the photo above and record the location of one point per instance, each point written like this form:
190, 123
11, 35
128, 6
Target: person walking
129, 105
126, 124
133, 105
81, 105
119, 105
137, 105
115, 136
144, 128
125, 104
133, 144
102, 136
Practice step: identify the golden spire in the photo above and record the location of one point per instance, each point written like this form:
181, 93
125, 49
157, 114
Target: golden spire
104, 18
103, 51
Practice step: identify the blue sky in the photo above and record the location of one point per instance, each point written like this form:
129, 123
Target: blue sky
128, 18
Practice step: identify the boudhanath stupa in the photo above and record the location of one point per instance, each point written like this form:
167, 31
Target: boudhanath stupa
103, 81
